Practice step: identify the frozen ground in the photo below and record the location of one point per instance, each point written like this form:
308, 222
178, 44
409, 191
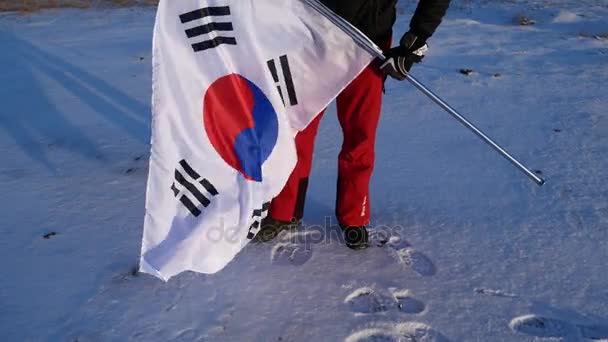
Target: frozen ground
486, 255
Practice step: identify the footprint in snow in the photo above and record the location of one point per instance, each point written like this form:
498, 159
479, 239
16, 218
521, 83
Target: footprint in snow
287, 253
416, 261
291, 251
594, 332
404, 253
372, 335
539, 326
398, 242
407, 303
380, 238
366, 300
407, 332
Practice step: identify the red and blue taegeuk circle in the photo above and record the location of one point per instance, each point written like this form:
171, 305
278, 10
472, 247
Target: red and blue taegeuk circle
241, 124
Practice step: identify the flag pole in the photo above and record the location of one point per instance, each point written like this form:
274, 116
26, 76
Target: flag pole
368, 45
539, 181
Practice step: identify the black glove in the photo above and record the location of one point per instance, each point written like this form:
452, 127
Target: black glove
399, 60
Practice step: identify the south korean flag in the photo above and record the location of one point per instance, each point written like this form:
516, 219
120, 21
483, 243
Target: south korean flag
234, 81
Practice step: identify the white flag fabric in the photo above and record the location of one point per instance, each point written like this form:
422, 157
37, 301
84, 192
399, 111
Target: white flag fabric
233, 82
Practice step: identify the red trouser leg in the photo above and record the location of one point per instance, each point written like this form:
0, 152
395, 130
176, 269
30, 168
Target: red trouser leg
358, 112
359, 107
289, 204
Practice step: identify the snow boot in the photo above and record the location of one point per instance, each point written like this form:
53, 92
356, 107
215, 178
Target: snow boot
270, 228
356, 237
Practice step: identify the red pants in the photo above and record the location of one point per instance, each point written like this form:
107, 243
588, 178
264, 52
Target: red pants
359, 108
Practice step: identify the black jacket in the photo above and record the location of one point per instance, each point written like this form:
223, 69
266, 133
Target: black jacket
375, 18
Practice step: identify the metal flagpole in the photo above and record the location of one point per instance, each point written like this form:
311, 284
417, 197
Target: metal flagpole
539, 181
368, 45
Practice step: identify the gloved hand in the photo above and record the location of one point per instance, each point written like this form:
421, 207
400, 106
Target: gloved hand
399, 60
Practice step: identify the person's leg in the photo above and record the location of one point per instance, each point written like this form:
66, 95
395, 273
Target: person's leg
359, 107
287, 209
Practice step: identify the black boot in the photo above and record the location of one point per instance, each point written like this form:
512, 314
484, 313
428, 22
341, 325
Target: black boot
270, 228
356, 237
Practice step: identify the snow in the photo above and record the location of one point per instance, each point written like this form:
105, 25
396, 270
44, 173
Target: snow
567, 17
483, 254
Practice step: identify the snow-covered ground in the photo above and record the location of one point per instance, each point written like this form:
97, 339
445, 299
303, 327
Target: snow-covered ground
486, 255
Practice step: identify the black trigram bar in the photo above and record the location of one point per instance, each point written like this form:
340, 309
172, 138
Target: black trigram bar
189, 170
209, 27
204, 182
193, 189
254, 227
258, 215
210, 44
175, 190
204, 12
275, 77
190, 206
209, 187
287, 78
186, 201
260, 212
